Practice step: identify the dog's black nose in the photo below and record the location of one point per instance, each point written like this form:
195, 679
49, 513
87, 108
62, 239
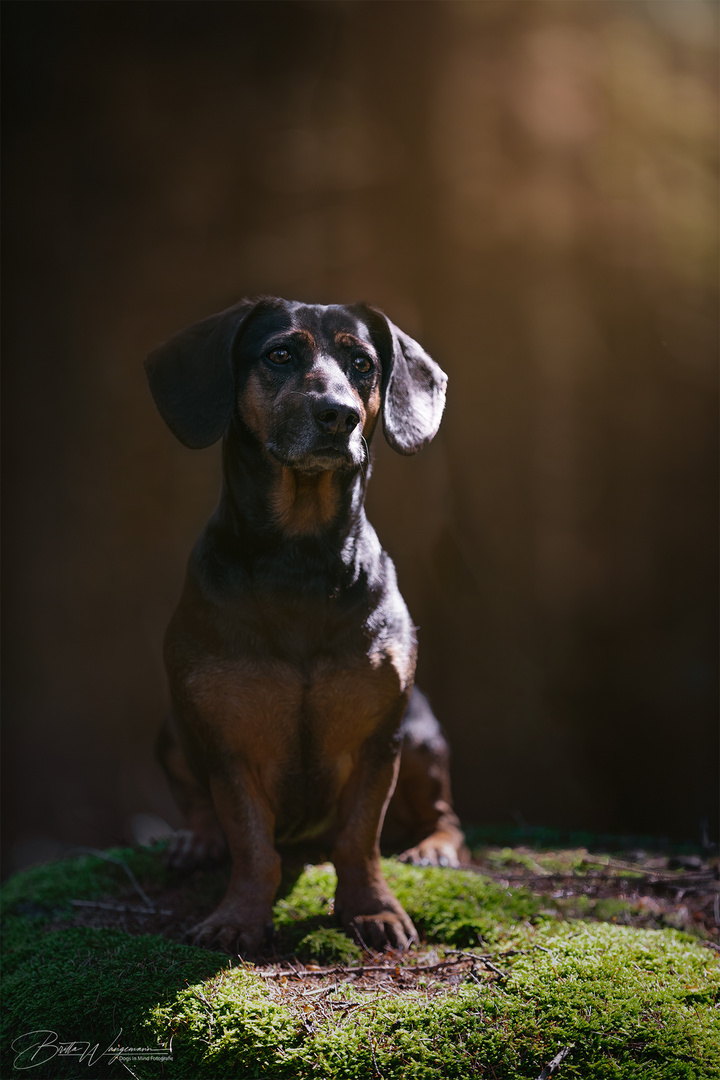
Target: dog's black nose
337, 418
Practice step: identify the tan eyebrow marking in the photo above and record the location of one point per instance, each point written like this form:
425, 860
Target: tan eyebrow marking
343, 338
305, 335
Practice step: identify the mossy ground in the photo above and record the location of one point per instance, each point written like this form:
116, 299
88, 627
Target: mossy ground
524, 981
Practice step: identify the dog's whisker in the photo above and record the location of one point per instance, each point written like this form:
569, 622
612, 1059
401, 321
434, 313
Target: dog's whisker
365, 465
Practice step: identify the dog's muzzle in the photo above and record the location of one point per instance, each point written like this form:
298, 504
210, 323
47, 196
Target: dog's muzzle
332, 440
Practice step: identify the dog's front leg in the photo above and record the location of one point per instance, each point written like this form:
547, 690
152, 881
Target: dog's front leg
243, 919
366, 906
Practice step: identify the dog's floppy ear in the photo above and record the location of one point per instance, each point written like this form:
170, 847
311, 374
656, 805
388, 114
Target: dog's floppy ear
413, 386
192, 380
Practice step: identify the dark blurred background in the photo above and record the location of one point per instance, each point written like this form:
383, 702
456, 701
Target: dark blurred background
530, 189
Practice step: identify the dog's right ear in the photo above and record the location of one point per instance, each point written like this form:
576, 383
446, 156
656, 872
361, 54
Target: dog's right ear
192, 379
413, 385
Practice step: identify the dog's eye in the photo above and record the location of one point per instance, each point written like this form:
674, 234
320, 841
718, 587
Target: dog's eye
362, 364
279, 356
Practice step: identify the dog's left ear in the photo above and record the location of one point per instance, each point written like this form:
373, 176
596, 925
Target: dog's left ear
191, 377
413, 386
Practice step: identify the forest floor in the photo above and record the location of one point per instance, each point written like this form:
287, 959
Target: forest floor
606, 963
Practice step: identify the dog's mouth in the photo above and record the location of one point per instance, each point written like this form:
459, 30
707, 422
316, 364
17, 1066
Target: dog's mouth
321, 457
333, 452
324, 459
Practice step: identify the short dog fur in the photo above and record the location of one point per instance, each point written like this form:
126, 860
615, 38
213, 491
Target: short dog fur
291, 655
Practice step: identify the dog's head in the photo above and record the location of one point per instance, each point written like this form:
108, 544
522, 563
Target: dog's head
307, 381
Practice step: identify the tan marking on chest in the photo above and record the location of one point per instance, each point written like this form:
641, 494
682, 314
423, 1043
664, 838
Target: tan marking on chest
267, 715
304, 505
249, 708
259, 709
349, 705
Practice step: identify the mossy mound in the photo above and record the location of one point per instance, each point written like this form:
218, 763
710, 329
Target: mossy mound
630, 1003
499, 986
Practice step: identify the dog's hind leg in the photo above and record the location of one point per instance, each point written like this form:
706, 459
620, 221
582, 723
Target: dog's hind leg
421, 811
203, 840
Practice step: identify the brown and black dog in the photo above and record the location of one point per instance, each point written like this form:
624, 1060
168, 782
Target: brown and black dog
291, 655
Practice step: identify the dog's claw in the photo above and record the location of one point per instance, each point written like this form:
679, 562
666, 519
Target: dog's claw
431, 852
377, 921
228, 935
386, 930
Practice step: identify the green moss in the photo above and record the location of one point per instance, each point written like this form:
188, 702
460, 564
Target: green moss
46, 889
458, 907
636, 1004
309, 897
502, 858
602, 909
92, 984
455, 907
328, 946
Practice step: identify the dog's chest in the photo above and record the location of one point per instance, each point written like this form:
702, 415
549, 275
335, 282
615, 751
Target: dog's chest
301, 736
291, 686
270, 708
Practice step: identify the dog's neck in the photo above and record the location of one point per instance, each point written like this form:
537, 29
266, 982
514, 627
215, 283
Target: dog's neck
274, 504
305, 505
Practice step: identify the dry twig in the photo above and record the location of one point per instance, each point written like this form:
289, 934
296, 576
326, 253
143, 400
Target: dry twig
556, 1062
127, 908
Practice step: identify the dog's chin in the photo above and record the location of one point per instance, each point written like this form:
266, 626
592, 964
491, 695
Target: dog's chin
318, 460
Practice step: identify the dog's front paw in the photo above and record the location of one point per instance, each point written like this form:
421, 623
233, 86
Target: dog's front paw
230, 932
385, 930
435, 850
375, 918
190, 848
